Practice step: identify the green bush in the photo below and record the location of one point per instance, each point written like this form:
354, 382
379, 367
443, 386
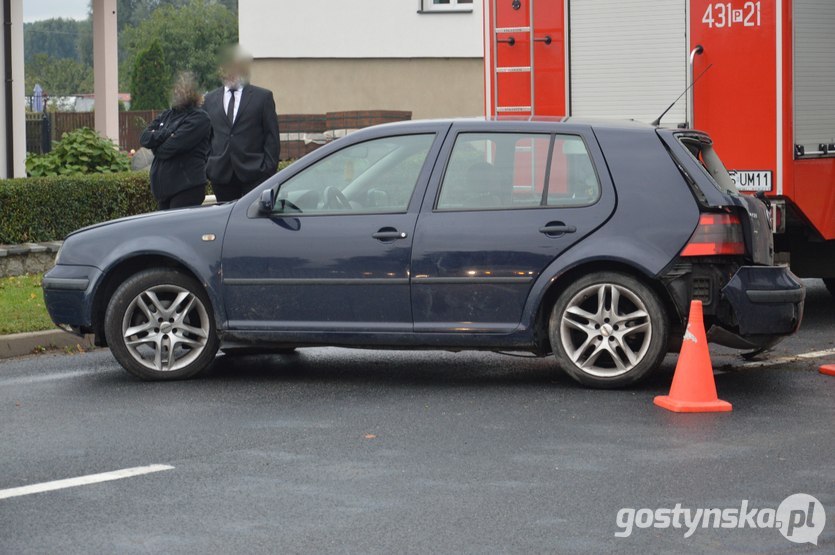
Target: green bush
37, 209
82, 151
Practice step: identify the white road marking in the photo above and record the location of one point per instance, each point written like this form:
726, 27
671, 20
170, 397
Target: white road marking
791, 358
21, 380
83, 480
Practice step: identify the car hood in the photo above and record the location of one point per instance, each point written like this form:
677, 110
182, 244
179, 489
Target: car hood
174, 233
160, 215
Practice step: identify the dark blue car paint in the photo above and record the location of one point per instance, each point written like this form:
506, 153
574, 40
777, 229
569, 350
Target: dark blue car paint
69, 305
655, 216
760, 245
643, 219
504, 249
175, 234
299, 269
778, 308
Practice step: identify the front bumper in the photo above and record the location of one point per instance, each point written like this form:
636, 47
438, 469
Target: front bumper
68, 293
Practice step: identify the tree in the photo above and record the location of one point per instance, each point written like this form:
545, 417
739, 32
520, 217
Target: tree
190, 37
84, 46
58, 77
150, 81
134, 12
54, 37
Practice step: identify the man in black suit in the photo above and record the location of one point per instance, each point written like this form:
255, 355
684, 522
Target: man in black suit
245, 143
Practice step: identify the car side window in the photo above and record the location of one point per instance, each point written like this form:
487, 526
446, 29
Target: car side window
377, 176
511, 170
572, 180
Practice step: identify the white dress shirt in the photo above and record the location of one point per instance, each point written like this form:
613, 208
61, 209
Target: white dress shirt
226, 93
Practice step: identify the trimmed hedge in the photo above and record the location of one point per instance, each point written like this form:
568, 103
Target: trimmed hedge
38, 209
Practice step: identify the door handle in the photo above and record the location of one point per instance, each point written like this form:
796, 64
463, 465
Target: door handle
555, 229
389, 235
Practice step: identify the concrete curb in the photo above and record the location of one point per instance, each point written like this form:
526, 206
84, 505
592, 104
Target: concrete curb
24, 343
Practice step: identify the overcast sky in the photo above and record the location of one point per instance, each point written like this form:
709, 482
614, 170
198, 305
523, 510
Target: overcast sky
35, 10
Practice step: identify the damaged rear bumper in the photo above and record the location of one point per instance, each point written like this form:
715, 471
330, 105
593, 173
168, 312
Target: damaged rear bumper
767, 300
767, 305
746, 307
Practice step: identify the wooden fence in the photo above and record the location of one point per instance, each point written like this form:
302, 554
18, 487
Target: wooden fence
66, 122
292, 127
131, 125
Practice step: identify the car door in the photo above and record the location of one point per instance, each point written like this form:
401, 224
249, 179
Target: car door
509, 199
334, 254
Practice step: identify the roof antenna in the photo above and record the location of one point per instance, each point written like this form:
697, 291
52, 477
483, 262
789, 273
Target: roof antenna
658, 121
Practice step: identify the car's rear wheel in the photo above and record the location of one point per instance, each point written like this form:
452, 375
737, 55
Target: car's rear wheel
160, 326
608, 330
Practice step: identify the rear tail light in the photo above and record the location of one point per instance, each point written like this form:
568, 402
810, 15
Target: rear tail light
716, 234
777, 213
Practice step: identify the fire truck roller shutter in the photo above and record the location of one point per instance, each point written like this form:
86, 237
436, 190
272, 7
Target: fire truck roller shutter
814, 74
628, 59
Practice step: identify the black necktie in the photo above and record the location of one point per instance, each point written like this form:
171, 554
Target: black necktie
230, 109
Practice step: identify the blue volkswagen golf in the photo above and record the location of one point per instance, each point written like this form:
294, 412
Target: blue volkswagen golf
582, 239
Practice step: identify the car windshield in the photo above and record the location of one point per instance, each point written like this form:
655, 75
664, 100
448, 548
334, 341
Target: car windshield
700, 148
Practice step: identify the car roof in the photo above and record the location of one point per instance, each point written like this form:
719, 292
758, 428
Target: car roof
591, 121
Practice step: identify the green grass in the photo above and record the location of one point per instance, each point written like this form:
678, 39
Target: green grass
22, 307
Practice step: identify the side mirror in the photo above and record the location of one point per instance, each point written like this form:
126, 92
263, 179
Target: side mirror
265, 203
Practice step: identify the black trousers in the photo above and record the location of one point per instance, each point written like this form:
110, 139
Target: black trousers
235, 189
193, 196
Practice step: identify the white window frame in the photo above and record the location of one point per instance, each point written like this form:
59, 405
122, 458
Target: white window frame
454, 6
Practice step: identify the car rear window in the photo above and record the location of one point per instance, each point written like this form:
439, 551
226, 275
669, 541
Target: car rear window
701, 149
518, 170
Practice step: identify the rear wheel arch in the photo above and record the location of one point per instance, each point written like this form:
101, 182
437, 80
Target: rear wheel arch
121, 272
558, 285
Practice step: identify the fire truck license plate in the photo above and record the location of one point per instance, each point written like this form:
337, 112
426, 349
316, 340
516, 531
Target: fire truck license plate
752, 180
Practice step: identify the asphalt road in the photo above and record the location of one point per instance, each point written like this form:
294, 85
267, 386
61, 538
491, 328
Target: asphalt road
472, 453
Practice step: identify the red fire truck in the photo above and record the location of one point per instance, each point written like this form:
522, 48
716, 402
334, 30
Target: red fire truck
764, 90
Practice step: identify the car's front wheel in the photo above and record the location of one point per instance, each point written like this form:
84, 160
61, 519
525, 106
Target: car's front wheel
608, 330
160, 326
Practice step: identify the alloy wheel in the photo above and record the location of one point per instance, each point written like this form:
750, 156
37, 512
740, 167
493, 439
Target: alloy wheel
605, 330
165, 328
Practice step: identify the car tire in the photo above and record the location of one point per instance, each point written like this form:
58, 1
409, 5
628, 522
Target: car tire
830, 284
606, 344
160, 325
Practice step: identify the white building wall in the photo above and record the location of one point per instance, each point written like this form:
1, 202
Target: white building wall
358, 29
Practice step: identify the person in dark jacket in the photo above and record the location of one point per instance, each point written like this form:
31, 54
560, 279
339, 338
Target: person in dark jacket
180, 139
245, 141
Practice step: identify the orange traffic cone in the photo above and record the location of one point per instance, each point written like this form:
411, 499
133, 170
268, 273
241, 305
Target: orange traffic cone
828, 369
693, 388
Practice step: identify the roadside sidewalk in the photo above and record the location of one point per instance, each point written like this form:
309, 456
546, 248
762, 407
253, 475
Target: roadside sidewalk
19, 344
